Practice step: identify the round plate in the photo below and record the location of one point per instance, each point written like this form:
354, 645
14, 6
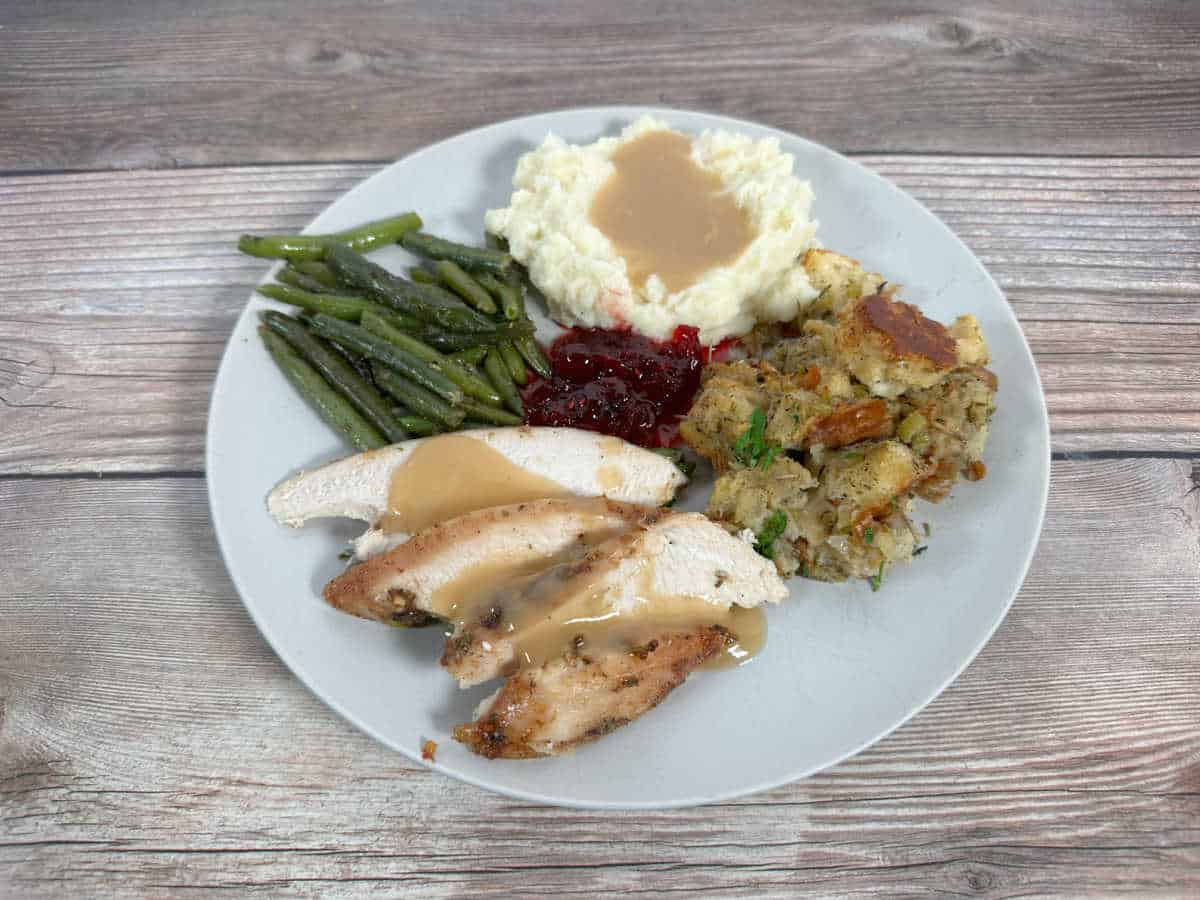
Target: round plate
843, 666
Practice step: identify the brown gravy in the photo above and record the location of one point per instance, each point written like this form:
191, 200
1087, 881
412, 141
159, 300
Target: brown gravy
449, 475
749, 626
467, 598
667, 216
611, 478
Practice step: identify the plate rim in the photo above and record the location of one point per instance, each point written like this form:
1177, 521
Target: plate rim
632, 111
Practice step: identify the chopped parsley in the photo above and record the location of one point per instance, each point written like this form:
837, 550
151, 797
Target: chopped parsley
868, 536
877, 579
346, 554
752, 449
771, 530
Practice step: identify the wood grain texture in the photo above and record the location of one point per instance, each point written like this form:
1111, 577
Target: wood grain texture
152, 745
108, 344
171, 82
150, 742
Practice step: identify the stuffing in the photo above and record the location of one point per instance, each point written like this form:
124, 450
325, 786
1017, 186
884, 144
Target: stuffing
825, 437
891, 346
839, 281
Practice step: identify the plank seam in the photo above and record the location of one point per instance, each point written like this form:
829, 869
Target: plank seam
852, 154
100, 475
1057, 456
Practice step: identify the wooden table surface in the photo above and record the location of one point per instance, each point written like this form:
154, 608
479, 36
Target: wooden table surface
150, 742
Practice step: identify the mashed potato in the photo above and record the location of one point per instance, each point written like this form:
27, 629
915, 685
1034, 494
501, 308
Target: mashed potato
587, 282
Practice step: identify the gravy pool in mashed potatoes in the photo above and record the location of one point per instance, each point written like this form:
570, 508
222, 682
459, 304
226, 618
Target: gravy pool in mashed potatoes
654, 229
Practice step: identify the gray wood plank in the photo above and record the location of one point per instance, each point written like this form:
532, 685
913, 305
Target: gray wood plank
163, 84
151, 742
108, 345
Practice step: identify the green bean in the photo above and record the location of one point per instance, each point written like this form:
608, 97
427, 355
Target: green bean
502, 381
282, 246
516, 275
446, 341
375, 234
505, 331
297, 279
340, 374
472, 385
401, 320
455, 278
513, 362
395, 330
339, 306
357, 361
406, 417
451, 342
329, 404
422, 402
517, 283
481, 412
362, 341
473, 259
454, 341
508, 295
421, 426
472, 356
528, 347
417, 425
297, 247
427, 302
438, 338
422, 275
316, 270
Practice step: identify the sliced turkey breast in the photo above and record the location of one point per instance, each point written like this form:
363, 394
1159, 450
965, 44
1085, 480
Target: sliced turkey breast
476, 550
581, 697
670, 571
405, 487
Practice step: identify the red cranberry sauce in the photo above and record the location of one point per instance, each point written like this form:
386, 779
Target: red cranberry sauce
619, 383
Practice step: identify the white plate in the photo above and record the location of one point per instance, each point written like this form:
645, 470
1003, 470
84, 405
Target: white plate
843, 666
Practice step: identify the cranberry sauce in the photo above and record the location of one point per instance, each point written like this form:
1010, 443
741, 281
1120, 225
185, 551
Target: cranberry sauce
619, 383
